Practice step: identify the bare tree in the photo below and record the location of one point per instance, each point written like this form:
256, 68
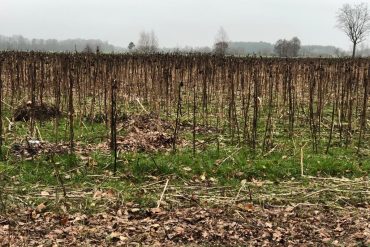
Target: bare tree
153, 42
281, 47
221, 42
287, 48
143, 45
295, 46
354, 21
148, 42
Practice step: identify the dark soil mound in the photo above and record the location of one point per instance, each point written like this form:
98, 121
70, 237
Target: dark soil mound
39, 111
32, 148
146, 133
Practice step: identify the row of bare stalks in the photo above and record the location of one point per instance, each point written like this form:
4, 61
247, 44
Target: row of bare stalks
253, 101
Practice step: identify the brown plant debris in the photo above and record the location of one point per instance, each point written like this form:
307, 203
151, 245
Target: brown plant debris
39, 112
230, 226
195, 214
146, 132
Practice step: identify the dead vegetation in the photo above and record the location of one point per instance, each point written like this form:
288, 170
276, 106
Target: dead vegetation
138, 133
27, 149
146, 133
41, 112
245, 98
259, 104
258, 214
198, 226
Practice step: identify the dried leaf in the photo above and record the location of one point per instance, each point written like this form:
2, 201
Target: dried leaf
289, 209
134, 210
268, 224
40, 208
179, 230
45, 193
246, 207
277, 235
63, 220
116, 236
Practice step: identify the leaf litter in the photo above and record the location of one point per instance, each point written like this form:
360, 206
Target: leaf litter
198, 213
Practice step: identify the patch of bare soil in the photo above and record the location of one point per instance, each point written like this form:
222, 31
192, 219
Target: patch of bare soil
223, 226
146, 133
41, 112
32, 148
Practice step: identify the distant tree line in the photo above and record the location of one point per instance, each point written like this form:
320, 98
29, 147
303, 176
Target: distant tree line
353, 20
283, 48
20, 43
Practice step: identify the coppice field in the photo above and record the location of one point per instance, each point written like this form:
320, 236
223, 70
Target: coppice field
136, 135
253, 102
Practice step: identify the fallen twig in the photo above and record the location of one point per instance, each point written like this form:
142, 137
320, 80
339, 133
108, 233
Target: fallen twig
230, 156
164, 190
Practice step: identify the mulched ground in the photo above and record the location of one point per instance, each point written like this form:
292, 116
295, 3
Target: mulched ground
142, 133
41, 112
147, 133
208, 226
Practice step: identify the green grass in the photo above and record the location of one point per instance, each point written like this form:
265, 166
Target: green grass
229, 165
243, 164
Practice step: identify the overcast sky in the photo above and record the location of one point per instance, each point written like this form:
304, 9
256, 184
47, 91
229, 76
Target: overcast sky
177, 23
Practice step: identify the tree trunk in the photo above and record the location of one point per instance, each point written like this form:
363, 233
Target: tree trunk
354, 49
